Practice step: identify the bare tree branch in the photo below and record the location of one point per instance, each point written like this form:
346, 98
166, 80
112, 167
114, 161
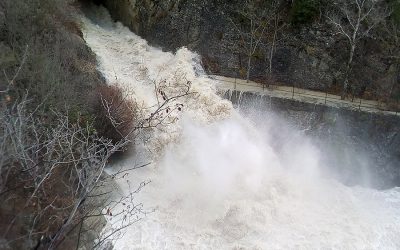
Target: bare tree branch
361, 17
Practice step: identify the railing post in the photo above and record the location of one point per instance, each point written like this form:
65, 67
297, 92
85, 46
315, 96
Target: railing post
235, 84
359, 105
326, 95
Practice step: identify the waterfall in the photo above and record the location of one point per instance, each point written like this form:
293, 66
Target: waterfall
220, 182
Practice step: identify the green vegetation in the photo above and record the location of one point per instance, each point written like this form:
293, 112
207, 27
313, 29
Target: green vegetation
395, 15
304, 11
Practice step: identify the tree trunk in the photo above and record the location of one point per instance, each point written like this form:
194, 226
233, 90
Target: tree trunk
348, 69
250, 54
271, 55
248, 68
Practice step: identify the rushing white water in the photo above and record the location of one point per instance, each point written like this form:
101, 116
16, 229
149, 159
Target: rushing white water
220, 183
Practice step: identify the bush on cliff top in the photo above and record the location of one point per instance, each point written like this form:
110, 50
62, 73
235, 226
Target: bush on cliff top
304, 11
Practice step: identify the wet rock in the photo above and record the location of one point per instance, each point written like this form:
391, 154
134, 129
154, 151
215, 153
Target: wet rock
2, 18
2, 24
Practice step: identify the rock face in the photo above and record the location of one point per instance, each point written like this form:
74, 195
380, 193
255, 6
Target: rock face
311, 56
7, 57
2, 23
358, 148
2, 19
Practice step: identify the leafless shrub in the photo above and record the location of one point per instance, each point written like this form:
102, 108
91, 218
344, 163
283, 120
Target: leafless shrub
54, 174
53, 145
115, 115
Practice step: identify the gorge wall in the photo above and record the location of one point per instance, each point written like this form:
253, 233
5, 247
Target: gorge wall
310, 55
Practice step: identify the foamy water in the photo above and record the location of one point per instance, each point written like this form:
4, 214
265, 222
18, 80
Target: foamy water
217, 182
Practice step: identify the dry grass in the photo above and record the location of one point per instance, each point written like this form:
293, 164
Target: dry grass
60, 67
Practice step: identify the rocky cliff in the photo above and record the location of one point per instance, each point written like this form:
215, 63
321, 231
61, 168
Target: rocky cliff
309, 55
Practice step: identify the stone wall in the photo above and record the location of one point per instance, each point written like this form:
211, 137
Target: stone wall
360, 148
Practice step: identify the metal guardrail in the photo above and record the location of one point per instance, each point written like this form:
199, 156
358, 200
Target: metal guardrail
291, 92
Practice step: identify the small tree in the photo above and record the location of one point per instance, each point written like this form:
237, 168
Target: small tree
392, 28
304, 11
393, 23
251, 23
258, 26
274, 35
354, 19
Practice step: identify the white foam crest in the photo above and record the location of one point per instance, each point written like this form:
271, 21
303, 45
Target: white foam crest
221, 184
222, 187
127, 60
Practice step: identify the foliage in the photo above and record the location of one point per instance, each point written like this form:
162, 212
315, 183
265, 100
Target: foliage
395, 6
304, 11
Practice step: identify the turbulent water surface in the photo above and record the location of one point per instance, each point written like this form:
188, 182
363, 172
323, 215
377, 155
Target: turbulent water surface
219, 182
